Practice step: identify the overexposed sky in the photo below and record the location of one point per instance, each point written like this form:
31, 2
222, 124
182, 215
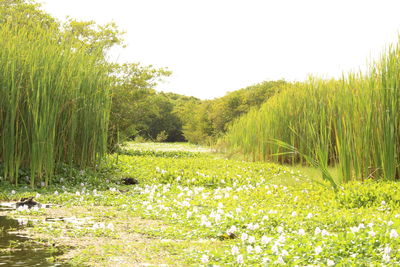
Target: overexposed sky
215, 46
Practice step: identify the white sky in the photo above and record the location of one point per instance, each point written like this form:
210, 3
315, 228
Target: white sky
215, 46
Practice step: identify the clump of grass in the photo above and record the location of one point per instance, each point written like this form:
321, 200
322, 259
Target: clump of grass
351, 123
54, 101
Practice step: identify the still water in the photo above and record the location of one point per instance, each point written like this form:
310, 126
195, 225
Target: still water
23, 252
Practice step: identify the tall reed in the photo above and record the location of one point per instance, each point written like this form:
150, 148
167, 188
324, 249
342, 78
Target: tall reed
54, 102
352, 123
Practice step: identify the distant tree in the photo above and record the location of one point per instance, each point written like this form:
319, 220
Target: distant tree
210, 119
91, 36
134, 101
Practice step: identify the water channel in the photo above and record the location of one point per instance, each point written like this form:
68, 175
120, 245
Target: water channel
19, 250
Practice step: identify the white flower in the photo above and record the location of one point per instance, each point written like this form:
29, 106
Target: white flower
393, 233
258, 249
280, 229
389, 223
265, 239
244, 236
37, 195
110, 226
251, 226
318, 250
235, 250
371, 233
317, 231
56, 193
98, 226
281, 239
330, 262
204, 258
301, 232
231, 230
383, 203
13, 192
22, 221
217, 217
275, 249
239, 259
294, 214
22, 208
280, 260
386, 257
249, 249
284, 252
309, 216
354, 229
387, 250
324, 233
252, 239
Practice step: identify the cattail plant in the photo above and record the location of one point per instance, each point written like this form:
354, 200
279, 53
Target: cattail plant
352, 123
54, 102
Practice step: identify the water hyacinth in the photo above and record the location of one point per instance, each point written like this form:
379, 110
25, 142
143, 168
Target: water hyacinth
204, 259
240, 259
264, 232
235, 250
265, 240
330, 262
301, 232
393, 234
318, 250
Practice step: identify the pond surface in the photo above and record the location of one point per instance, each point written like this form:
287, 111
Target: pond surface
23, 251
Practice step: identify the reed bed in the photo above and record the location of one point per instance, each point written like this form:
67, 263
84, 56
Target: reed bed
352, 123
54, 102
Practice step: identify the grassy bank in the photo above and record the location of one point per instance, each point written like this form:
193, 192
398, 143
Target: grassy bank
190, 208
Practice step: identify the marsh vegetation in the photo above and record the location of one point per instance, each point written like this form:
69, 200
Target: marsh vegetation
311, 179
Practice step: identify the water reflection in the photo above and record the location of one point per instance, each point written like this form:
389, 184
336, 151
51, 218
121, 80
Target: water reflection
17, 250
